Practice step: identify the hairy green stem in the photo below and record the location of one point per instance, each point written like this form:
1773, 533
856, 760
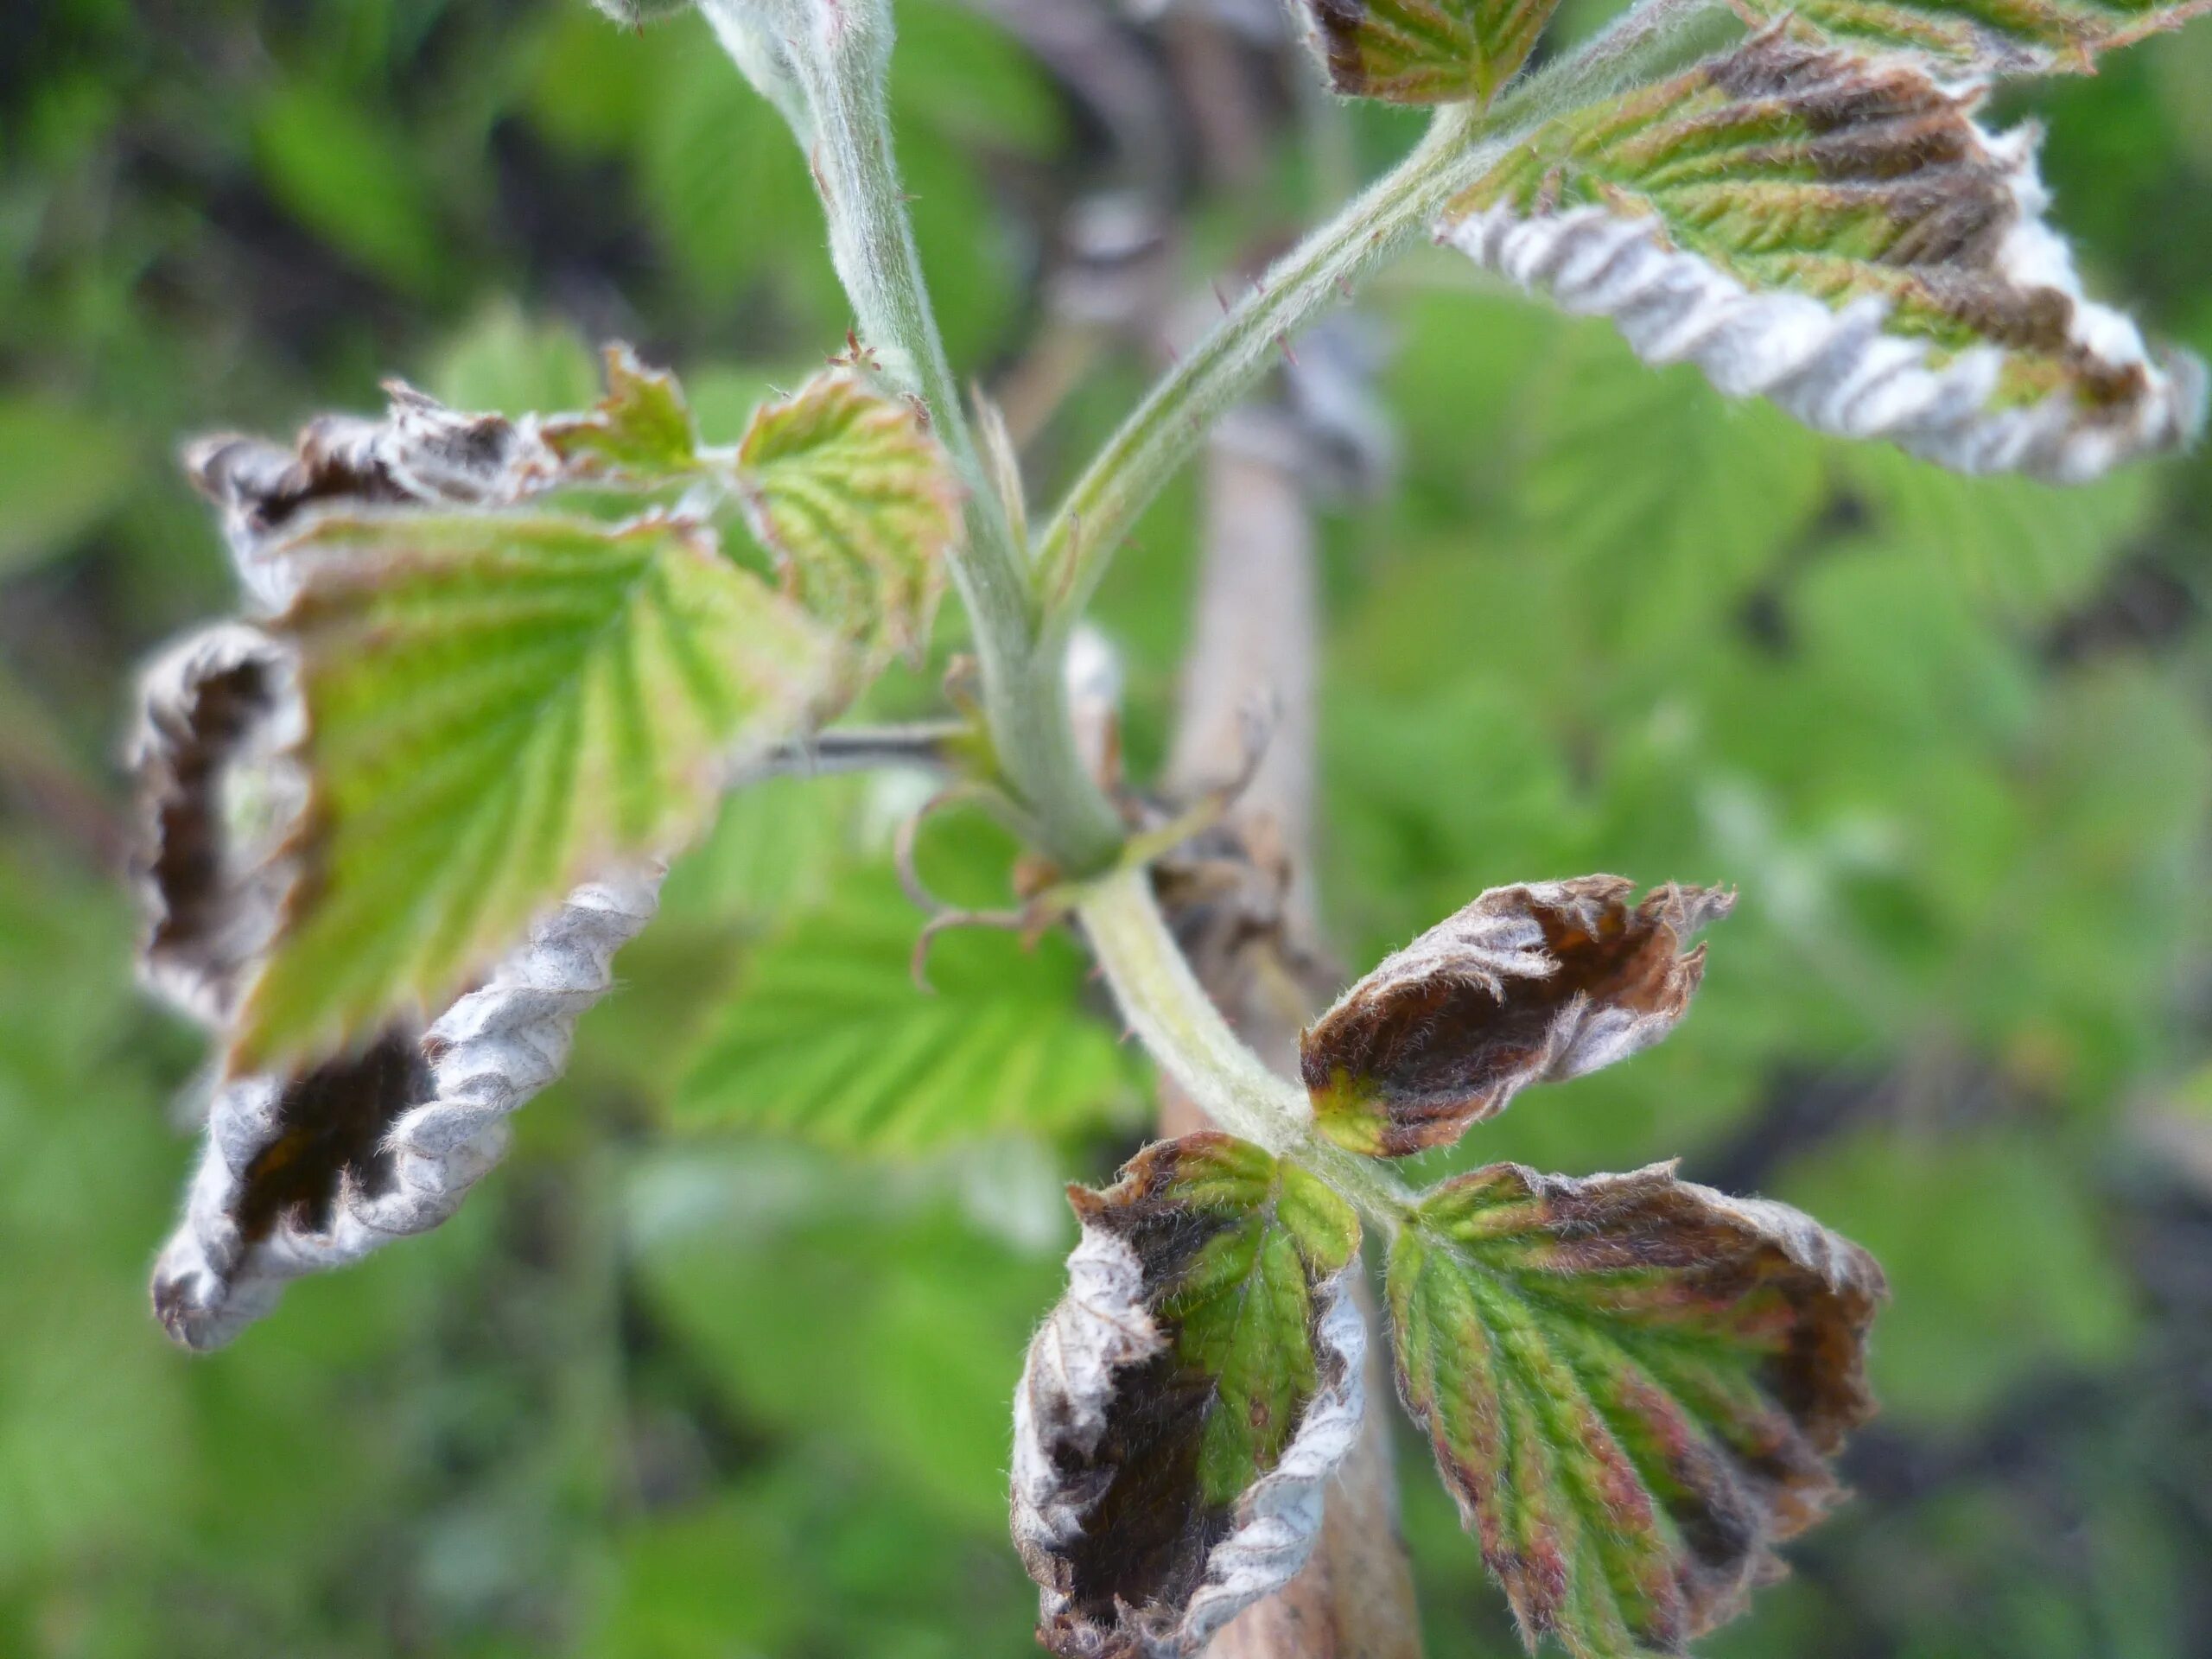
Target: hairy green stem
1328, 265
1184, 1034
825, 69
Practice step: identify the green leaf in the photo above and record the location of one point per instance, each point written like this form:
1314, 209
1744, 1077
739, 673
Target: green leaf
2018, 37
641, 432
829, 1040
1631, 1385
1423, 51
848, 488
340, 171
497, 705
1183, 1404
1834, 232
61, 472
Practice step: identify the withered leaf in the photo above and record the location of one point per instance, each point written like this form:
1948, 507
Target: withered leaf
311, 1169
1632, 1386
1534, 983
1833, 231
1182, 1407
218, 717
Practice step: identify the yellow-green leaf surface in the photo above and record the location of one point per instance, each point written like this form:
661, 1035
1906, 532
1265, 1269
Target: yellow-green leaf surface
496, 705
2002, 36
1632, 1386
642, 431
847, 486
1424, 51
1833, 231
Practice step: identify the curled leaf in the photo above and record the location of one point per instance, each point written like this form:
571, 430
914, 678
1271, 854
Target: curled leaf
1182, 1407
1423, 51
1835, 232
2020, 37
1534, 984
850, 491
421, 453
218, 720
311, 1169
1632, 1386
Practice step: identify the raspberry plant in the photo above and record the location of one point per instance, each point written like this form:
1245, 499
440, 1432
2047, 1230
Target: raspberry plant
493, 674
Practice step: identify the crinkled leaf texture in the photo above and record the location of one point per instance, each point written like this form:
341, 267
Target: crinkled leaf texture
1632, 1386
2020, 37
468, 726
1533, 983
1184, 1405
1423, 51
1833, 231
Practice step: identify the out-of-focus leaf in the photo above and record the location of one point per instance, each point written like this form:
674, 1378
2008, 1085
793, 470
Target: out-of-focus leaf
1834, 232
495, 705
828, 1039
1423, 51
1534, 983
61, 473
1632, 1386
2021, 37
1186, 1401
506, 362
2000, 1267
343, 174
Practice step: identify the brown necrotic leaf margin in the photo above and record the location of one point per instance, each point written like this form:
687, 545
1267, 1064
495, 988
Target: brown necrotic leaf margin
1532, 983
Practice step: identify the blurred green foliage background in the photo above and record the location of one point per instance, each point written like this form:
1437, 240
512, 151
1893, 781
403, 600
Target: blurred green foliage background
718, 1364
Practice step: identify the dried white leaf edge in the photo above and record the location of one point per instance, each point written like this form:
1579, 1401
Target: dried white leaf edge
1100, 1328
1836, 369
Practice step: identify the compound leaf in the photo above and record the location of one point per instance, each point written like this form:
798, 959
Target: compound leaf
1423, 51
1534, 984
1833, 231
496, 706
1631, 1385
1184, 1404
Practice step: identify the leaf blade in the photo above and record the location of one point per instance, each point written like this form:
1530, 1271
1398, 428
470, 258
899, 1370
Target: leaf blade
1423, 51
495, 706
1631, 1385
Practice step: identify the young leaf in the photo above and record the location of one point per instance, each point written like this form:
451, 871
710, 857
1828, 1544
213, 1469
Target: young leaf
1423, 51
2021, 37
849, 489
641, 432
1631, 1385
1184, 1404
496, 706
826, 1038
1834, 232
1534, 984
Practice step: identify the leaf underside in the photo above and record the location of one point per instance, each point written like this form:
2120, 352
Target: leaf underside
1130, 1473
498, 706
1835, 232
1534, 983
1424, 51
1632, 1386
2016, 37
